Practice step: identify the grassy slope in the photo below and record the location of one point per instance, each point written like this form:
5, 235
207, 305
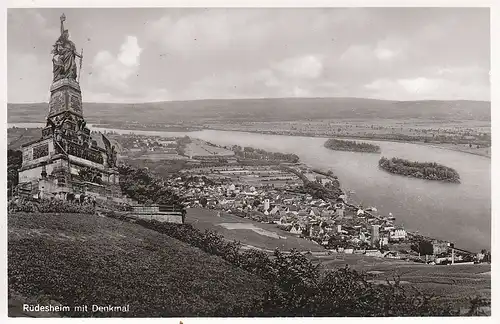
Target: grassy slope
264, 110
86, 259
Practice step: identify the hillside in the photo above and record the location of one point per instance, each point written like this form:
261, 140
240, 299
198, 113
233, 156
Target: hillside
88, 259
272, 109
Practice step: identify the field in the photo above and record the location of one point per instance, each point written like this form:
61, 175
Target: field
76, 259
482, 151
453, 282
19, 136
200, 148
160, 157
208, 219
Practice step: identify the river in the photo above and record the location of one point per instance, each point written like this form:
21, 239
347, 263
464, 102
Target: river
460, 213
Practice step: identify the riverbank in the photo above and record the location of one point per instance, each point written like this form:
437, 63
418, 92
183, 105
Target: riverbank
484, 152
447, 146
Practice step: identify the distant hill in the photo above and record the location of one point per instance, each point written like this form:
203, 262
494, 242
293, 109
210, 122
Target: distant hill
272, 109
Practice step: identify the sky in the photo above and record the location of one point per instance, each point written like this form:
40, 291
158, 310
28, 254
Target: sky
163, 54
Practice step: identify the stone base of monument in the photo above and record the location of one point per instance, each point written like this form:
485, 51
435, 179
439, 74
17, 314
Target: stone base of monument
53, 165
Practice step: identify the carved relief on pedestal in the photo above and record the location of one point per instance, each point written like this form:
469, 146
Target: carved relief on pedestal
75, 102
27, 155
40, 151
57, 103
65, 98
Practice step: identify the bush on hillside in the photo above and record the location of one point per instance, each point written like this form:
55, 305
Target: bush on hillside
142, 186
111, 205
48, 206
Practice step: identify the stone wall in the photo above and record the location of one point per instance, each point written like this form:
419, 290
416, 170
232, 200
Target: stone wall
168, 218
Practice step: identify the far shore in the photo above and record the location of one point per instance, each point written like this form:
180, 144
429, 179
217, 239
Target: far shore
445, 146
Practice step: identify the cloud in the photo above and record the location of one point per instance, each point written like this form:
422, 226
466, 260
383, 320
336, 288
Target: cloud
384, 54
114, 71
293, 76
300, 92
205, 32
356, 53
151, 95
427, 88
420, 85
216, 53
462, 72
29, 18
130, 52
219, 32
32, 79
305, 67
382, 51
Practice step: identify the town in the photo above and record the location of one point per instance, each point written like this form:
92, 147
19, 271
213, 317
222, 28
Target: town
275, 188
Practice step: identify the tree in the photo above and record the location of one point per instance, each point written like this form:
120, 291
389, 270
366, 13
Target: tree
423, 247
203, 202
14, 162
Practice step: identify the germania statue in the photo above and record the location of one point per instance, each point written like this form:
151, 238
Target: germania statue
64, 59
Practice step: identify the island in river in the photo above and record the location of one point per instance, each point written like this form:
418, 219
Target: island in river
421, 170
351, 146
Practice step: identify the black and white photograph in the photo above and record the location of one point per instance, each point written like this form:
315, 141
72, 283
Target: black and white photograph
248, 162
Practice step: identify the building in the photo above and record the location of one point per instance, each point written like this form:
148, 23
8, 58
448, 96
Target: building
68, 160
267, 204
375, 234
439, 247
398, 235
296, 229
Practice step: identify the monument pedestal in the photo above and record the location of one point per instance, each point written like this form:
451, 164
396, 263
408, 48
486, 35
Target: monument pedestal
66, 149
65, 95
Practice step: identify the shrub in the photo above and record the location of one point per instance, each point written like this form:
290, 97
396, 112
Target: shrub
49, 206
142, 186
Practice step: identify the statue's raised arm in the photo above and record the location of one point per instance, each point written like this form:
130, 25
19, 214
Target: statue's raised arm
63, 18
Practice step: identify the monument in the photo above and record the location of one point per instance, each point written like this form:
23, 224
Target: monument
68, 159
